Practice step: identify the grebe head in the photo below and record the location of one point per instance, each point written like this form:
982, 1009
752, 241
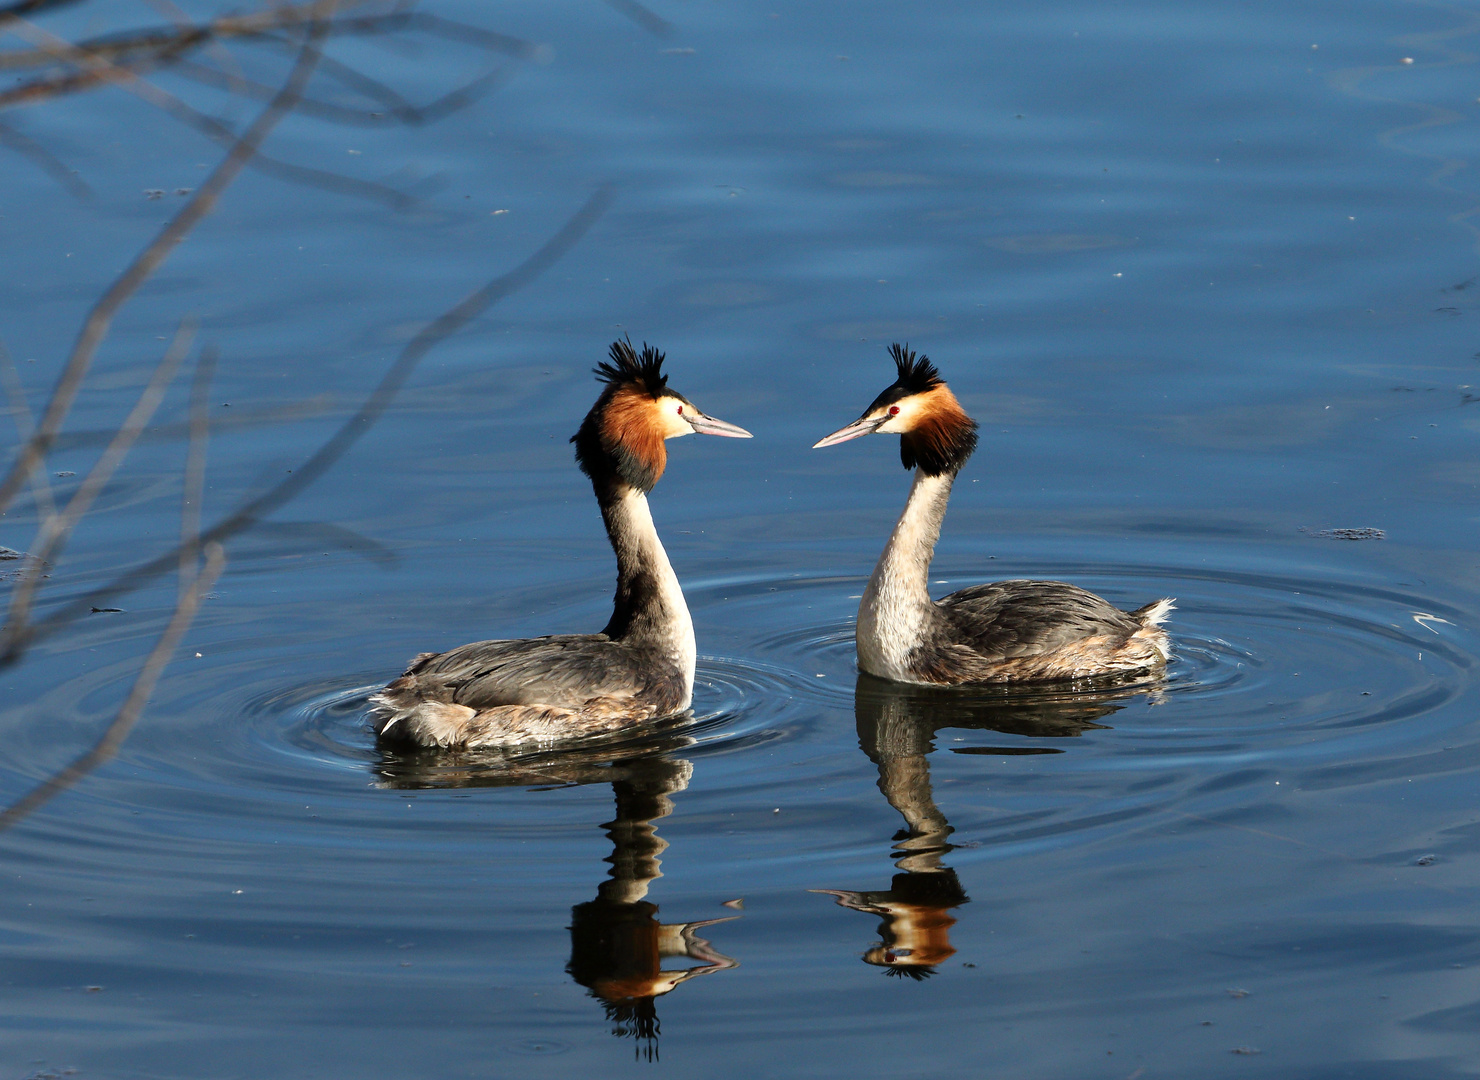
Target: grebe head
934, 431
622, 436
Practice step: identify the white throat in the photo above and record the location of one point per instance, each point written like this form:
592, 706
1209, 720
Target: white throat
896, 608
660, 617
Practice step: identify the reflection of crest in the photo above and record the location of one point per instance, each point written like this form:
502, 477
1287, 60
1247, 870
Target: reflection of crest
618, 948
896, 729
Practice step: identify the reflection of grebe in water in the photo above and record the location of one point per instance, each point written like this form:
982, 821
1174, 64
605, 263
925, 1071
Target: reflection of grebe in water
618, 947
896, 729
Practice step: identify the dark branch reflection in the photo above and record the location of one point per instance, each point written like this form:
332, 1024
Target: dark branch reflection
897, 725
619, 950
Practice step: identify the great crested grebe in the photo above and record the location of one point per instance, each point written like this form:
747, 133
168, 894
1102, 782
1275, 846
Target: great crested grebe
641, 667
1008, 631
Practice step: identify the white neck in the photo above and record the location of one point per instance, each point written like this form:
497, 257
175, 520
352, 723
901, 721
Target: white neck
649, 607
896, 606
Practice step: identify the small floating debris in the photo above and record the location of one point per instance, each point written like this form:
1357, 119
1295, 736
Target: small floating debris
154, 193
1237, 993
1351, 534
1426, 860
1248, 1051
107, 611
65, 473
10, 553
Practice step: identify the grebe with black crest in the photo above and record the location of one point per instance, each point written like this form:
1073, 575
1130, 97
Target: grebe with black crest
1008, 631
641, 666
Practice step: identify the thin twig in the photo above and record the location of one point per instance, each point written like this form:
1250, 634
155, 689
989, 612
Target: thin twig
348, 434
129, 79
44, 160
107, 746
402, 111
53, 534
653, 23
29, 7
163, 43
193, 493
271, 166
195, 583
218, 51
100, 318
25, 423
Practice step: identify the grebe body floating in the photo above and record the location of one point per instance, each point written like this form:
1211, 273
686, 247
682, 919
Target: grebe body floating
641, 666
1008, 631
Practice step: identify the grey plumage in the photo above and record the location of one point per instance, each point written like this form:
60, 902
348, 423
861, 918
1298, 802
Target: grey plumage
1007, 631
493, 693
641, 667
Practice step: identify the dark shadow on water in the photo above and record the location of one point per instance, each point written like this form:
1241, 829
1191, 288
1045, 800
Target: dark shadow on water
601, 760
897, 725
618, 946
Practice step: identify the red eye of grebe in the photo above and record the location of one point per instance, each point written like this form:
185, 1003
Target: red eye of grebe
894, 410
680, 410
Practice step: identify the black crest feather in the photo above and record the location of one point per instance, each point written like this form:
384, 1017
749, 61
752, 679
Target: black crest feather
916, 373
629, 367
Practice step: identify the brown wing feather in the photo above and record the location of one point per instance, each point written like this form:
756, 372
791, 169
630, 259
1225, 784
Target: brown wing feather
1022, 618
564, 671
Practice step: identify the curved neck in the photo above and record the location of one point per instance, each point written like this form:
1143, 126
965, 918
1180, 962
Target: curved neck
896, 613
649, 604
905, 563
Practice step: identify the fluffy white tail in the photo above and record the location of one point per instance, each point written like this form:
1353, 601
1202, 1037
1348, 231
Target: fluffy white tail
1156, 614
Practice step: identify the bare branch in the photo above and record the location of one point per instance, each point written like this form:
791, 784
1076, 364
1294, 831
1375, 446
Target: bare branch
129, 79
107, 746
348, 434
399, 109
22, 8
98, 321
55, 531
25, 423
195, 583
195, 464
162, 44
271, 166
45, 160
654, 24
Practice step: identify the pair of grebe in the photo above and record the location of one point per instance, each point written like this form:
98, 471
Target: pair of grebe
641, 666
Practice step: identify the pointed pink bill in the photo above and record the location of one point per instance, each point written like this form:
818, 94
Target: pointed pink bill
708, 425
862, 426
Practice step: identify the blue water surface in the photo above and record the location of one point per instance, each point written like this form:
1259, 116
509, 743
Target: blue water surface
1205, 273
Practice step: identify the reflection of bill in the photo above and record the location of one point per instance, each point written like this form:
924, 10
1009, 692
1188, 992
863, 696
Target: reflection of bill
915, 931
896, 729
618, 948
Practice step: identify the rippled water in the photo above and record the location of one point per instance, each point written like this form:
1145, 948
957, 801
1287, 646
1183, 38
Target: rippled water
1205, 274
